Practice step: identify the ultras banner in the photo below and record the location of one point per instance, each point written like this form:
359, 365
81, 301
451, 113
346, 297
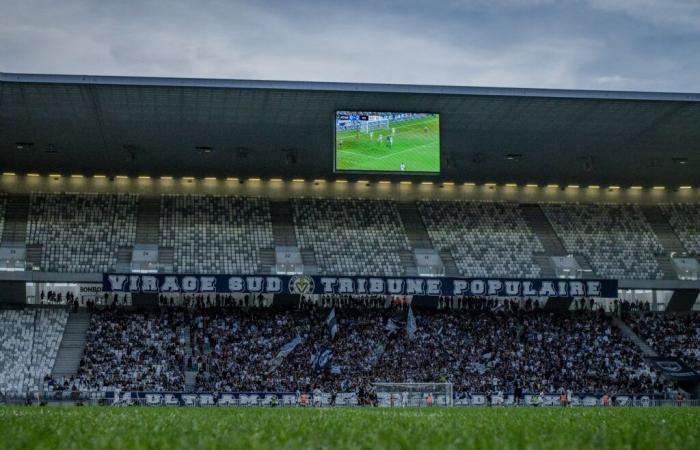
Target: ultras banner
306, 284
673, 368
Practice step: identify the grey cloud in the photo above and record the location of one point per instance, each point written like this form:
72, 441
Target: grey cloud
540, 43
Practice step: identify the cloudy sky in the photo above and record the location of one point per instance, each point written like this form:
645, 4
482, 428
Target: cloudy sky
651, 45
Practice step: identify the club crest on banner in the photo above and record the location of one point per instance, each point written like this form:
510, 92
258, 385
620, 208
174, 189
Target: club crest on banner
301, 284
669, 366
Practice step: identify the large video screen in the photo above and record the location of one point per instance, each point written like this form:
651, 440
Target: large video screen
370, 141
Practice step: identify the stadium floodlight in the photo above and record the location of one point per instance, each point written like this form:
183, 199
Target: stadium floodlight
9, 174
469, 183
76, 175
384, 182
511, 184
413, 394
231, 179
593, 186
341, 181
426, 183
685, 187
490, 184
121, 177
532, 185
55, 175
166, 177
659, 188
406, 182
613, 188
33, 174
573, 186
298, 180
144, 177
636, 188
448, 183
552, 186
209, 178
254, 179
274, 180
99, 176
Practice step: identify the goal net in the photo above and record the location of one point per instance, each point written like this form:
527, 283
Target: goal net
374, 123
413, 394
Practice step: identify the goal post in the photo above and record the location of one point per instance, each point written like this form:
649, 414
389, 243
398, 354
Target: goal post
413, 394
374, 123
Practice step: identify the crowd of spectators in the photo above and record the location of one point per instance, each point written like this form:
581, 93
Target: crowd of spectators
671, 335
129, 351
478, 345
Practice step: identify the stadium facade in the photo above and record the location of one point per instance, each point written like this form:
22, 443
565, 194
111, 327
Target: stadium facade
146, 190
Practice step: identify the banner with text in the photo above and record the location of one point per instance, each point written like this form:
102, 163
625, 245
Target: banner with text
307, 285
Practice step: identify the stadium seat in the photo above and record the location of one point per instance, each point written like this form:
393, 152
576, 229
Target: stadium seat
615, 238
81, 232
351, 236
684, 218
29, 342
215, 234
484, 238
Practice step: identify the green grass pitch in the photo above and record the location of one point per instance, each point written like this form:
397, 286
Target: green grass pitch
361, 428
416, 144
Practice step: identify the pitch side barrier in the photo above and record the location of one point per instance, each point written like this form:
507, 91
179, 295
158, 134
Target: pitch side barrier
348, 399
290, 399
325, 285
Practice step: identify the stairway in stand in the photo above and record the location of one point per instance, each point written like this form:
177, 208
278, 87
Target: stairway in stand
72, 345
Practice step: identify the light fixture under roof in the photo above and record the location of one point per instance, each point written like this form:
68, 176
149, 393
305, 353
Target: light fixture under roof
680, 160
24, 145
514, 156
204, 149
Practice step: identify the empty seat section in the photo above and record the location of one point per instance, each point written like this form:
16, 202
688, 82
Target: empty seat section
485, 238
616, 238
29, 342
215, 234
351, 236
81, 232
685, 220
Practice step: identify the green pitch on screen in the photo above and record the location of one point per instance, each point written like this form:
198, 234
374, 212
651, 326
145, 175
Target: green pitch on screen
415, 144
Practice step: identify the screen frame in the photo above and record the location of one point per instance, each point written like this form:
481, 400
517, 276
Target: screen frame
386, 172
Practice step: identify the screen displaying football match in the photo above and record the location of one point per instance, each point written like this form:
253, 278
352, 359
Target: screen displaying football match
370, 141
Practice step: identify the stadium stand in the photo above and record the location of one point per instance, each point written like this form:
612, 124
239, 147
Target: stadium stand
351, 236
685, 221
475, 347
29, 341
671, 335
2, 213
614, 237
215, 234
132, 351
484, 238
81, 232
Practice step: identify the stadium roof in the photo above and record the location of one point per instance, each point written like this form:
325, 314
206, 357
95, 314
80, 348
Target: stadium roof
197, 127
